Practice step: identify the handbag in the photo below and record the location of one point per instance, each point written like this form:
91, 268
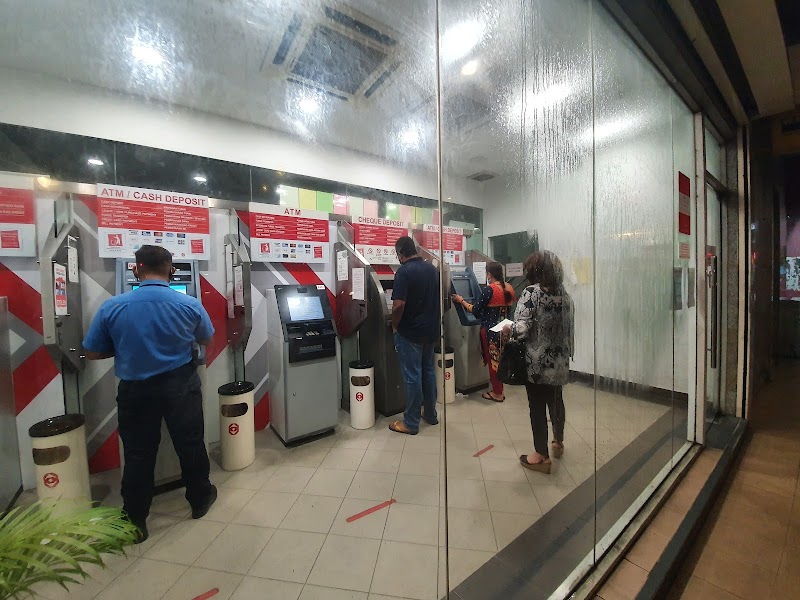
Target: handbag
513, 367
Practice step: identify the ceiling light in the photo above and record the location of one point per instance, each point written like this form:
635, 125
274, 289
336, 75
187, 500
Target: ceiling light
44, 181
200, 178
95, 162
281, 191
309, 105
145, 53
410, 136
460, 39
470, 68
604, 131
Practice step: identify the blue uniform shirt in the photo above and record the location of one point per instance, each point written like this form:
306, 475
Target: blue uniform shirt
417, 283
150, 330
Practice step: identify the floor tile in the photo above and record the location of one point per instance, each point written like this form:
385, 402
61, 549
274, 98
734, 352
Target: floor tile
464, 563
379, 461
625, 582
98, 579
699, 589
266, 509
313, 592
346, 563
185, 542
413, 523
463, 466
329, 482
307, 456
250, 480
343, 458
467, 493
559, 475
354, 438
388, 442
289, 556
419, 464
501, 448
172, 503
423, 444
256, 588
509, 526
505, 496
235, 549
471, 529
549, 495
372, 486
144, 579
396, 561
312, 513
195, 582
157, 527
417, 489
229, 502
370, 526
647, 550
738, 577
289, 479
501, 469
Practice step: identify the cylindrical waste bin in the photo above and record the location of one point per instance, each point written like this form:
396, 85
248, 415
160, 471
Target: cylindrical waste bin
237, 428
362, 394
446, 370
60, 460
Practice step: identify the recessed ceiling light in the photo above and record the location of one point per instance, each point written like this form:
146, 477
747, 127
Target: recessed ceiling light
95, 162
309, 105
460, 39
410, 136
145, 53
263, 187
200, 178
470, 68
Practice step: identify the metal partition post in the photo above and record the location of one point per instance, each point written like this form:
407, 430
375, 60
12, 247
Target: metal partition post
240, 305
11, 481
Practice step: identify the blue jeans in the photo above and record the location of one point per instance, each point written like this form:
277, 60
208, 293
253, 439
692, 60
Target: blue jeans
419, 376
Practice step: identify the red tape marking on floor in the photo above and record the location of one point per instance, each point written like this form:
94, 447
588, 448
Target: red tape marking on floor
479, 452
369, 511
208, 594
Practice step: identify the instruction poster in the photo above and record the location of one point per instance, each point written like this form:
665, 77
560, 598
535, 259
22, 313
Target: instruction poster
290, 235
684, 216
129, 218
453, 240
375, 238
17, 222
60, 289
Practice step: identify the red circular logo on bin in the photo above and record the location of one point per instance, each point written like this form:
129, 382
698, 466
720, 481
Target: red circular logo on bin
447, 375
233, 429
359, 396
50, 480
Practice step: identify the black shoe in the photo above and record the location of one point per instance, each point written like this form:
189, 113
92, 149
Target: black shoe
198, 512
142, 534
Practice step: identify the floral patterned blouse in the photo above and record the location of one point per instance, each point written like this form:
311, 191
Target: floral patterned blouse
545, 322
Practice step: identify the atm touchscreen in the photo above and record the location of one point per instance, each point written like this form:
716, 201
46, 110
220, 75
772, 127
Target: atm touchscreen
305, 308
462, 287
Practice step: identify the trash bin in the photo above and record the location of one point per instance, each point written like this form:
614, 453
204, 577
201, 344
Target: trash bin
447, 371
237, 428
362, 394
60, 461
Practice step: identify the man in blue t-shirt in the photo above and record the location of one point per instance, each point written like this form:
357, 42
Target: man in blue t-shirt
415, 321
151, 333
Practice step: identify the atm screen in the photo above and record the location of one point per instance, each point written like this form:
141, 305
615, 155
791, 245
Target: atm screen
305, 308
462, 287
178, 287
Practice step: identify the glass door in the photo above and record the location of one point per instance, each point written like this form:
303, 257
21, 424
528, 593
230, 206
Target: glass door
713, 303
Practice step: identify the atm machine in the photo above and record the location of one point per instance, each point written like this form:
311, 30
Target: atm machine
186, 280
301, 356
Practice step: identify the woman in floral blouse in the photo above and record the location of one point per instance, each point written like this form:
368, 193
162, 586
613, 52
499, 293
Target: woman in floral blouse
544, 321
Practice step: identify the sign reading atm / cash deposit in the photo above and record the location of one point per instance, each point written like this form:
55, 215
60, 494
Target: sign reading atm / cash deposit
286, 234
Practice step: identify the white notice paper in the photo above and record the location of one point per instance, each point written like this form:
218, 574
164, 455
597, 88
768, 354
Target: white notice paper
499, 327
479, 268
358, 284
341, 265
238, 286
72, 265
513, 270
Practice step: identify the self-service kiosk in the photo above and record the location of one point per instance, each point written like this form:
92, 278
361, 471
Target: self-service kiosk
186, 280
463, 331
301, 355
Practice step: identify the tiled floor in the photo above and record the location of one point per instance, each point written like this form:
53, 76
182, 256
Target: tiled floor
750, 547
279, 529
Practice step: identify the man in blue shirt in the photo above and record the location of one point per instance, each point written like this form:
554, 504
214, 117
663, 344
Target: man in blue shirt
151, 333
416, 306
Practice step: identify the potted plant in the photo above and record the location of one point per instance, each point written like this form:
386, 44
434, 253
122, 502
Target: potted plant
39, 545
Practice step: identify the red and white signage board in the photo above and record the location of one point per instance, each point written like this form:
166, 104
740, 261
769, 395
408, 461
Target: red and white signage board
455, 247
375, 238
129, 218
684, 216
290, 235
17, 221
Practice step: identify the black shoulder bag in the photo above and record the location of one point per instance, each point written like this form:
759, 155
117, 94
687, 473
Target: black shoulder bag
513, 367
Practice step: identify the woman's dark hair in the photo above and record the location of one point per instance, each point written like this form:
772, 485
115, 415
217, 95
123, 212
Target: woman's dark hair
544, 267
405, 246
495, 269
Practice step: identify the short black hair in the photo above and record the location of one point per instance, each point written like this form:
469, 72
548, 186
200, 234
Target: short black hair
405, 246
154, 259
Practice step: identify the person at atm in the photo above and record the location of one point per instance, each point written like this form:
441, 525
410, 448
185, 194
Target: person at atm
491, 308
416, 306
150, 333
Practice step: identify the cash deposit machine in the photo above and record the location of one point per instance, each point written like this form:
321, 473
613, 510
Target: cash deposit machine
186, 280
301, 354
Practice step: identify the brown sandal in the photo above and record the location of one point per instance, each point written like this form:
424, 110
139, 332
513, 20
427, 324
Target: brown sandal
541, 467
400, 427
488, 396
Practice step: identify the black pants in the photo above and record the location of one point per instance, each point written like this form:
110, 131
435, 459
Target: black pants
541, 398
176, 397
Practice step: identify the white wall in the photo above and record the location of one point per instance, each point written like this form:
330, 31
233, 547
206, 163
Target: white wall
45, 102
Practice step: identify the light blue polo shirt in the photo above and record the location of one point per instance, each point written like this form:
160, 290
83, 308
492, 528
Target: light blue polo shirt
150, 330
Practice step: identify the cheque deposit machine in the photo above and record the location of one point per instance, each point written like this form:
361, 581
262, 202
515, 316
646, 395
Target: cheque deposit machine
186, 280
301, 354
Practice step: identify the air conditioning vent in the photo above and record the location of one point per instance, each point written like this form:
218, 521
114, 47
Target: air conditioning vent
482, 176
